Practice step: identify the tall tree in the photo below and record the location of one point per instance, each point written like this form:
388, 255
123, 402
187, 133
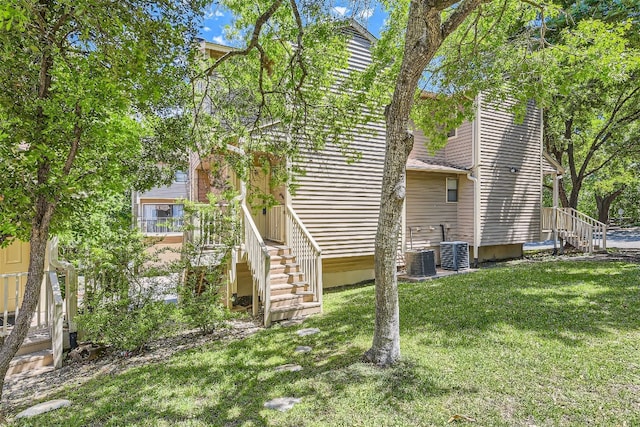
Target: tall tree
592, 123
415, 31
90, 98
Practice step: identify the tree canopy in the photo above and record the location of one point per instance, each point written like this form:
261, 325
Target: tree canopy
92, 99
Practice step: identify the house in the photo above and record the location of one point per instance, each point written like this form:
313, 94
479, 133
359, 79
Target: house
484, 187
53, 327
14, 263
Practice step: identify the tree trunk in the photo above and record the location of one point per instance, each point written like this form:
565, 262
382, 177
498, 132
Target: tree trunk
604, 204
38, 243
425, 33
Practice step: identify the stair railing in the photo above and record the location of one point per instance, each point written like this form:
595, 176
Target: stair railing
49, 311
259, 262
71, 284
307, 252
581, 230
56, 316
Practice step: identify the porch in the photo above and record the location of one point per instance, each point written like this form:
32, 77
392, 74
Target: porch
52, 327
274, 259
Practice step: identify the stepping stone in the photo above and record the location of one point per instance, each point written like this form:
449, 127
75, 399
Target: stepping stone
307, 331
293, 322
289, 367
43, 407
282, 404
303, 349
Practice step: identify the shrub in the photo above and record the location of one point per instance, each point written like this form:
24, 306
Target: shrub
200, 298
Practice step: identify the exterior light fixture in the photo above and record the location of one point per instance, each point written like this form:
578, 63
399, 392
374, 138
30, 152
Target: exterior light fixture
513, 169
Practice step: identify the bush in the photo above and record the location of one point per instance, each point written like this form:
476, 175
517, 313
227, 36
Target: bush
124, 324
200, 298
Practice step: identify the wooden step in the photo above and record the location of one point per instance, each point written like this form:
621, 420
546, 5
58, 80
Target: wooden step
279, 250
288, 288
287, 300
34, 344
283, 259
284, 268
30, 361
280, 278
303, 309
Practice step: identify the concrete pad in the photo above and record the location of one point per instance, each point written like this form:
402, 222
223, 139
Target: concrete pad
282, 404
307, 331
43, 407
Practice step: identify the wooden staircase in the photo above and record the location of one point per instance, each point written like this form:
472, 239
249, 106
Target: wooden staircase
290, 295
34, 354
579, 230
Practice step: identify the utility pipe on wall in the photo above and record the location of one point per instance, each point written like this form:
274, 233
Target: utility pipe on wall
474, 176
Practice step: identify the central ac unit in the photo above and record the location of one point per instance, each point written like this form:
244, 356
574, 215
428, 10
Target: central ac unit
454, 255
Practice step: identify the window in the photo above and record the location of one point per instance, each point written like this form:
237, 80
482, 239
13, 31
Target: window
162, 218
180, 177
452, 190
452, 133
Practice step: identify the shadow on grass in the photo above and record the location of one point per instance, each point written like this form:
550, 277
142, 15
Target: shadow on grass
228, 382
556, 300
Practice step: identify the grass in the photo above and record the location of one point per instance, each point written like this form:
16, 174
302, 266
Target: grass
554, 343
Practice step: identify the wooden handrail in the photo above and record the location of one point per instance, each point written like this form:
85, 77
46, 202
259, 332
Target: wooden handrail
56, 318
259, 261
579, 229
71, 284
298, 221
307, 252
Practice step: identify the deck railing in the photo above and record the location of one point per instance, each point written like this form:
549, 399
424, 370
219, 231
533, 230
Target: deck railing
307, 252
212, 228
162, 225
259, 262
49, 311
276, 223
580, 230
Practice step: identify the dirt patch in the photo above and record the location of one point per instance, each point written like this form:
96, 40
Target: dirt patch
23, 389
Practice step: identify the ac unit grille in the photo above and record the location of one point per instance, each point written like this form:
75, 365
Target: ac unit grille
420, 263
454, 255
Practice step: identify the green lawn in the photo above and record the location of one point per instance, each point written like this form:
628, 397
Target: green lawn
554, 343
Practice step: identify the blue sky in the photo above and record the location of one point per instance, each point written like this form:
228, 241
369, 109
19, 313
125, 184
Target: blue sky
217, 18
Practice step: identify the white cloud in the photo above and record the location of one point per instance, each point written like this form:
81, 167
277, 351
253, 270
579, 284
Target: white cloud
365, 13
340, 10
213, 12
206, 29
219, 40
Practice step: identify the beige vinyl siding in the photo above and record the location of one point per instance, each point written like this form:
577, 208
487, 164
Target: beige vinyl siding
427, 209
464, 229
510, 202
177, 190
420, 150
459, 150
339, 201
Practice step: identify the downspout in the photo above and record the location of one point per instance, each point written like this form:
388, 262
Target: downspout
474, 176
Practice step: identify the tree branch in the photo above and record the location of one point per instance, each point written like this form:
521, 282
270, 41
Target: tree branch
458, 16
75, 144
253, 42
